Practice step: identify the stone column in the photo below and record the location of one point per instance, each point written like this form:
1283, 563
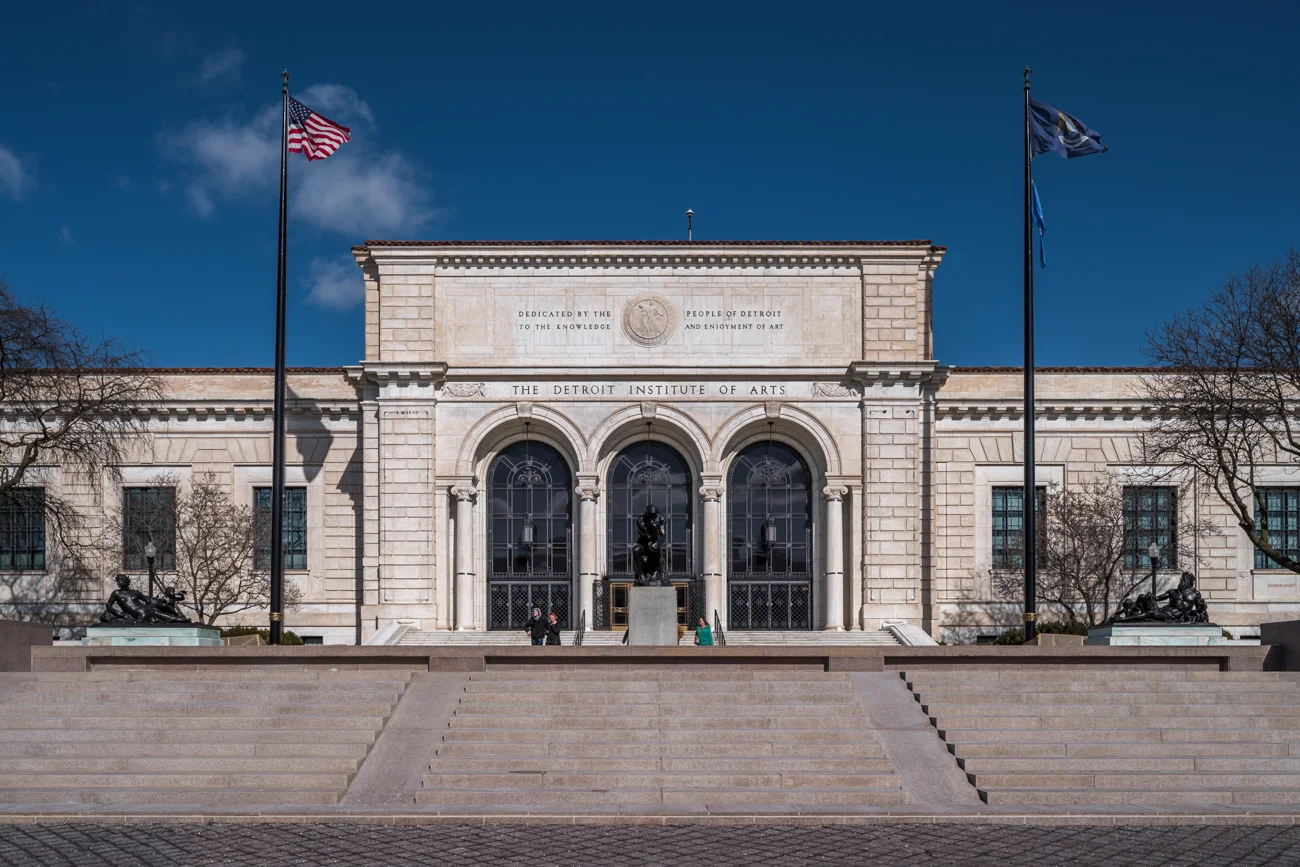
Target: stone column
712, 494
834, 495
588, 569
464, 602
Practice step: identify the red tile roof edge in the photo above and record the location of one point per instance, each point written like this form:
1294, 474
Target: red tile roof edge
1085, 369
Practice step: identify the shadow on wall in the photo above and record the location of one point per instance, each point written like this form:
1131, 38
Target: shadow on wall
312, 441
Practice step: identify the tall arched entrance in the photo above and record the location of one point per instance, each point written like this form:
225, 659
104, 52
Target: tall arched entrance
641, 474
529, 535
769, 528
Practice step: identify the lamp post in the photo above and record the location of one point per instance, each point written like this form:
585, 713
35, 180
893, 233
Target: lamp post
1153, 551
150, 552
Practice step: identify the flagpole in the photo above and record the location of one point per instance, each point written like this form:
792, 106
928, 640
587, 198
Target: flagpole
277, 444
1029, 496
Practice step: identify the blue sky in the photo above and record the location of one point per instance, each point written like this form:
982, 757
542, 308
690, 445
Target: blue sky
138, 152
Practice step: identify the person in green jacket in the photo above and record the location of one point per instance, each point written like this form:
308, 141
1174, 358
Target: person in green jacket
703, 634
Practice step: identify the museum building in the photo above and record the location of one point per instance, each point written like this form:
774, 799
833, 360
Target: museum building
781, 403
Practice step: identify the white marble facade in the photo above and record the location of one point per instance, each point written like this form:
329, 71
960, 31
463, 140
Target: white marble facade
707, 347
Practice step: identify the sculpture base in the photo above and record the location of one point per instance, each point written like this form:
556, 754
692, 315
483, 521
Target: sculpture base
1156, 635
154, 635
652, 616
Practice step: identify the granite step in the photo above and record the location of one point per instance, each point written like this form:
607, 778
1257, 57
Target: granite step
149, 737
129, 749
1170, 701
171, 797
177, 765
158, 678
653, 764
658, 749
714, 799
1108, 749
122, 721
377, 710
632, 736
126, 780
840, 707
557, 781
1109, 723
646, 723
1107, 710
699, 674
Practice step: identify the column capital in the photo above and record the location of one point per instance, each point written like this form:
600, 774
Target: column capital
464, 491
834, 492
711, 492
587, 491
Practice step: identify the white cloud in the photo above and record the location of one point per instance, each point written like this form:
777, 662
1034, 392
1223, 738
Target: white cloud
340, 104
361, 190
335, 283
362, 196
65, 235
222, 66
200, 201
14, 176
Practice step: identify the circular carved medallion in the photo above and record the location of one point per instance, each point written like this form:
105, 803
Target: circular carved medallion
649, 319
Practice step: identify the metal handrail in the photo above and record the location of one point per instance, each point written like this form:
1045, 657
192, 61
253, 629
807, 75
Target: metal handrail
582, 627
719, 638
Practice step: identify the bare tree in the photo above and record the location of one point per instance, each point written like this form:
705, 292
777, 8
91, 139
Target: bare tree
74, 401
1227, 406
70, 402
215, 543
1082, 567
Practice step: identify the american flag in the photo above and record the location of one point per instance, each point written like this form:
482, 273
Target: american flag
312, 134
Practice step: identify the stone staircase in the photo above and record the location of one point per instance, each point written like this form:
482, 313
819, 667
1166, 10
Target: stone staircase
213, 738
1119, 735
467, 638
708, 737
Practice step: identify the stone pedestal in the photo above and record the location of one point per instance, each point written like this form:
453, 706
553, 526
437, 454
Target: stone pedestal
1156, 635
151, 635
652, 617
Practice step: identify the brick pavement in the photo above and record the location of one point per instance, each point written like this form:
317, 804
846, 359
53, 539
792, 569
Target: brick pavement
268, 845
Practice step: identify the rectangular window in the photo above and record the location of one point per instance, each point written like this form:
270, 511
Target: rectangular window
295, 528
1279, 521
148, 515
1150, 515
22, 529
1008, 525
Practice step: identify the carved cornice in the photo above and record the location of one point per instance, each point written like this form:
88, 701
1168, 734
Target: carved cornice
878, 373
850, 255
992, 410
382, 373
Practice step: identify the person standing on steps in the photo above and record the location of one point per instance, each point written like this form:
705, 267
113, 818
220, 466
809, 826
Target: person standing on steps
536, 627
553, 631
703, 634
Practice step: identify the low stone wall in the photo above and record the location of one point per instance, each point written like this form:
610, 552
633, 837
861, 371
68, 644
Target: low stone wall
17, 639
426, 658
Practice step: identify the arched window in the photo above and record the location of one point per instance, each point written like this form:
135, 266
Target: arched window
529, 535
644, 473
769, 504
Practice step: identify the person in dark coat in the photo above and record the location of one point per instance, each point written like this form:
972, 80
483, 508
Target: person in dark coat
536, 627
553, 631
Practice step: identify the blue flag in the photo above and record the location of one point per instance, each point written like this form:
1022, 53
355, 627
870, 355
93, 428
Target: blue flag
1041, 224
1061, 133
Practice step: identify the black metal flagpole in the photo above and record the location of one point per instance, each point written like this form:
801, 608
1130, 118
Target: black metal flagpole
277, 445
1029, 496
